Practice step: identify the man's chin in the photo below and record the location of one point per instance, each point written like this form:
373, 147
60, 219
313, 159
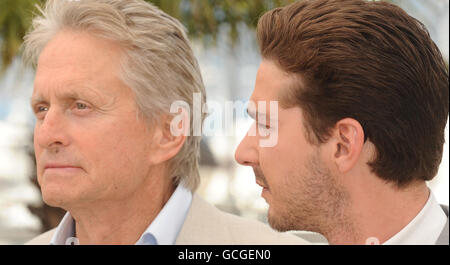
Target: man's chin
279, 223
53, 201
56, 198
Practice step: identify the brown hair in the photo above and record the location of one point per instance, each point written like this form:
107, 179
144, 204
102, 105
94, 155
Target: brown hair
369, 61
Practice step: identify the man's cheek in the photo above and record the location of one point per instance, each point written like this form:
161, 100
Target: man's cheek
109, 161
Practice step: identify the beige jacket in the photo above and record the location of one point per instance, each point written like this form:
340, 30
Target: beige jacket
207, 225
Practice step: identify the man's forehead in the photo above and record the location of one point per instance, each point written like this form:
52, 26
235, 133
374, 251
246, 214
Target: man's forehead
71, 88
73, 81
272, 82
79, 47
78, 55
85, 66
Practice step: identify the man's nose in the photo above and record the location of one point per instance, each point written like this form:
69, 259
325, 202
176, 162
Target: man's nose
50, 131
247, 151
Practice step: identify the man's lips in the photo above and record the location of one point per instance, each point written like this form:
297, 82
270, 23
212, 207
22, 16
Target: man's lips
265, 191
261, 184
264, 186
60, 166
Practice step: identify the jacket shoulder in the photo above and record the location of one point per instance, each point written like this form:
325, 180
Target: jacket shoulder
247, 231
207, 225
42, 239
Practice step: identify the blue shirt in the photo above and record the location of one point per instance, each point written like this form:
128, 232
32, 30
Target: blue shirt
162, 231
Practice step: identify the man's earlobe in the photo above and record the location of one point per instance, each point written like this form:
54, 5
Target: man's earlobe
349, 139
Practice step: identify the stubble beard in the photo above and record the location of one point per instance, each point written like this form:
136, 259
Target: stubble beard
313, 201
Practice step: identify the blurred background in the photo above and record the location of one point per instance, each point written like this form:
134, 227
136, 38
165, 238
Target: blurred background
222, 33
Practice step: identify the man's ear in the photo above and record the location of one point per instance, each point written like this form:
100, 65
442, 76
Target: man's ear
348, 141
165, 145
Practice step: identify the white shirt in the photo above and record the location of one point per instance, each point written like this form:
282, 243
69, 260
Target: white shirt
425, 228
162, 231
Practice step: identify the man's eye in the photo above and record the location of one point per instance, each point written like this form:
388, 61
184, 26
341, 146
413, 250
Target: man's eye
42, 108
81, 106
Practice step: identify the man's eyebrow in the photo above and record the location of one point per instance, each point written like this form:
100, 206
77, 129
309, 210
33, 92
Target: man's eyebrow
36, 100
71, 94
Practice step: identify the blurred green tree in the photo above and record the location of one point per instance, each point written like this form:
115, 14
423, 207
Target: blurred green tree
202, 19
15, 19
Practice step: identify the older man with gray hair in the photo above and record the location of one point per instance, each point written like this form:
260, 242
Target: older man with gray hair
107, 72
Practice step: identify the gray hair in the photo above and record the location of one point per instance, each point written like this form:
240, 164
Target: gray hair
158, 63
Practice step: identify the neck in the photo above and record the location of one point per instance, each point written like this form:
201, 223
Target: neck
378, 212
121, 221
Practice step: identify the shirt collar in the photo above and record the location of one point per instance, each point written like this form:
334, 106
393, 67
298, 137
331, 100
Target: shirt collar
162, 231
65, 231
425, 228
166, 226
